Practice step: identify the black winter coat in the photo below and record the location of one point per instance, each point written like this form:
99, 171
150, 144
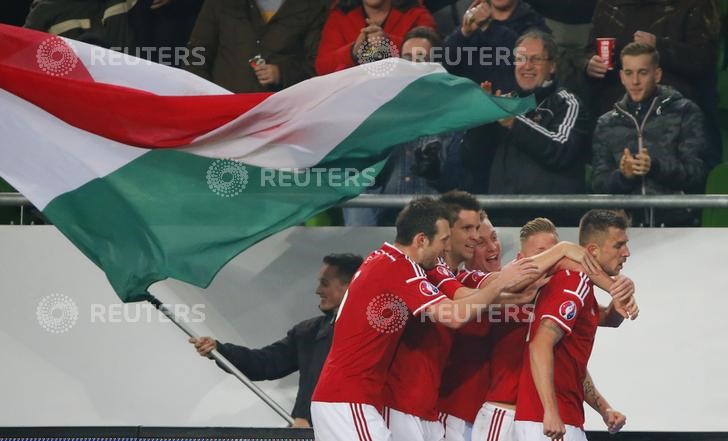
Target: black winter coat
674, 135
303, 349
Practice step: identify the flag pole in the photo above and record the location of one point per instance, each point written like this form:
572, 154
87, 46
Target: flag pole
225, 363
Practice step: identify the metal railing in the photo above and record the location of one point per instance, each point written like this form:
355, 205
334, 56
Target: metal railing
517, 201
561, 201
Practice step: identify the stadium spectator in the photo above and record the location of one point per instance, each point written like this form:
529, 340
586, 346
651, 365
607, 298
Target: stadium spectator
493, 40
686, 34
362, 31
168, 31
518, 15
546, 150
306, 345
490, 29
652, 142
14, 13
427, 165
570, 23
391, 285
256, 46
561, 337
107, 23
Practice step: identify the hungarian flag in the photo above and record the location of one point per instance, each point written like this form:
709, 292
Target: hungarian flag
153, 172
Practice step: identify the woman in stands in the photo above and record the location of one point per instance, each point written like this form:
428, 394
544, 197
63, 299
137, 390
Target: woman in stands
361, 31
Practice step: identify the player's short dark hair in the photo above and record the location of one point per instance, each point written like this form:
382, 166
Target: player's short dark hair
419, 216
425, 32
456, 201
599, 221
538, 225
549, 44
346, 265
635, 49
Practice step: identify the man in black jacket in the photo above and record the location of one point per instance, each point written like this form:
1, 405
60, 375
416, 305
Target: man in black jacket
544, 151
651, 142
306, 345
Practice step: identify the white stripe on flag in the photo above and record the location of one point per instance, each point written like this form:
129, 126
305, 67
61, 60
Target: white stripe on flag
110, 67
44, 157
277, 134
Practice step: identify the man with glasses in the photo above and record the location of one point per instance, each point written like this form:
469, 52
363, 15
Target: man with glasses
544, 151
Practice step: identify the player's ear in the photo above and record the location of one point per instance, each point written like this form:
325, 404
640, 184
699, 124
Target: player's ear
420, 239
592, 249
519, 256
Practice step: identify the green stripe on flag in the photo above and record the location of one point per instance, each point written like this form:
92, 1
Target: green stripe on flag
434, 104
158, 217
162, 216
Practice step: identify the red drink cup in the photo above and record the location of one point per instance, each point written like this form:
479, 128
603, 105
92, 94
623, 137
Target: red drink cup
605, 49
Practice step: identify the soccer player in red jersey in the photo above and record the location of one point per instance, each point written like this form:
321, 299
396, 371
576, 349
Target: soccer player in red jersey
507, 342
411, 390
561, 337
390, 285
466, 378
466, 375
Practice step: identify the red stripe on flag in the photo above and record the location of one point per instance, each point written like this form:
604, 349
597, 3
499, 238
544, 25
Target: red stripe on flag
35, 67
126, 115
39, 52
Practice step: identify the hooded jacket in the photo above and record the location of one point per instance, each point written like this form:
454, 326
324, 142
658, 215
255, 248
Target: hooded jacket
671, 128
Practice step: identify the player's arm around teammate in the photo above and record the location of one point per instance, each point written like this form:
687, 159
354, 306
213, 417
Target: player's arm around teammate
476, 301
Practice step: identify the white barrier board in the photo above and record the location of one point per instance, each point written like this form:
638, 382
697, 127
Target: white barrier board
124, 365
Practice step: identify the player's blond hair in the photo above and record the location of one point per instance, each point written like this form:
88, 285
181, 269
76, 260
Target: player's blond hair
538, 225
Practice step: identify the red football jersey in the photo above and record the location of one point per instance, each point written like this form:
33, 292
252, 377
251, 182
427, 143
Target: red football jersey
506, 343
370, 322
414, 378
568, 299
466, 377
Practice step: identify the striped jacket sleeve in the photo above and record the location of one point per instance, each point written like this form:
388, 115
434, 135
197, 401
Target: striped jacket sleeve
557, 139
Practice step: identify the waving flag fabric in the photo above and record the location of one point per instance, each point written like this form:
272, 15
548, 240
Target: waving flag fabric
153, 173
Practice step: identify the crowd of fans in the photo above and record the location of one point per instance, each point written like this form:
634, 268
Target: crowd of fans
599, 127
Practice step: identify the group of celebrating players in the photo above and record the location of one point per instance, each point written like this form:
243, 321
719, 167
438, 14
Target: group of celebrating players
434, 340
